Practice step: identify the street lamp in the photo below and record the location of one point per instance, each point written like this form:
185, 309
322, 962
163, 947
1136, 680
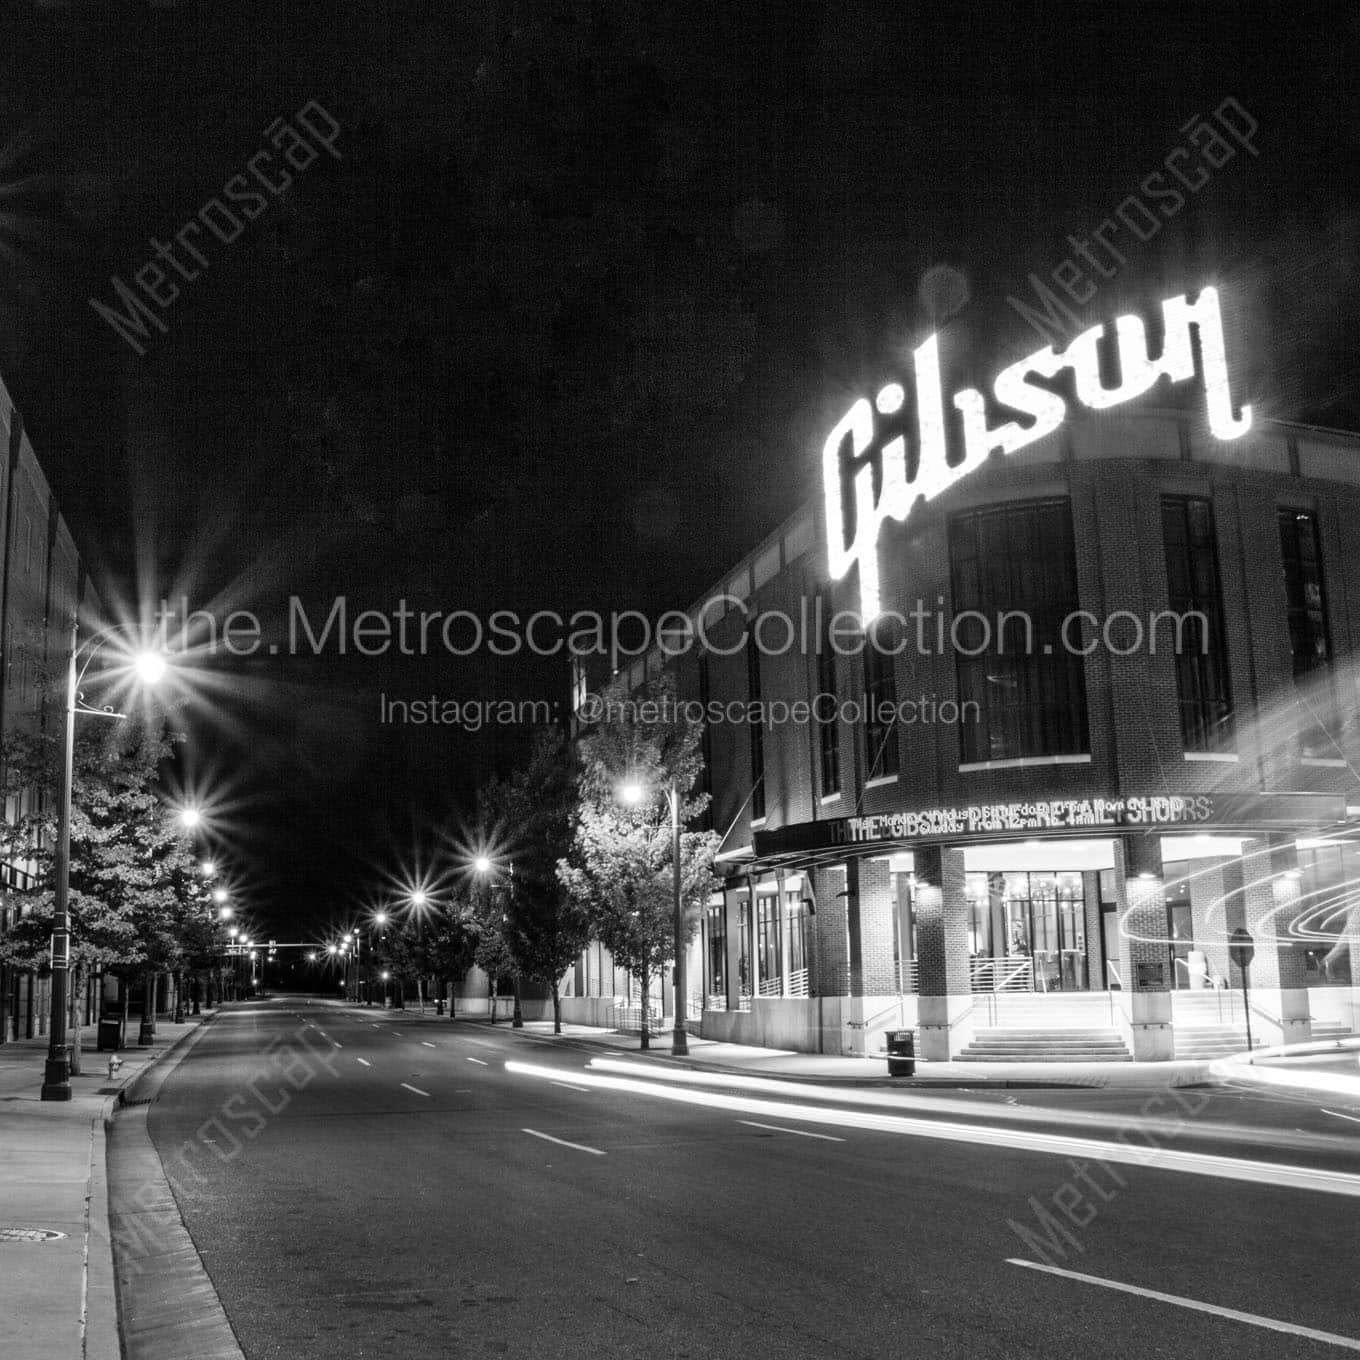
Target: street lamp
484, 865
633, 793
150, 668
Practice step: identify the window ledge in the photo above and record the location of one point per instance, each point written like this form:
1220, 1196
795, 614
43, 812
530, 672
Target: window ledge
1323, 762
757, 823
830, 797
881, 781
1019, 762
1224, 757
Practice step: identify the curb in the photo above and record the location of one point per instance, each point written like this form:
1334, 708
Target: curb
171, 1310
102, 1334
1198, 1076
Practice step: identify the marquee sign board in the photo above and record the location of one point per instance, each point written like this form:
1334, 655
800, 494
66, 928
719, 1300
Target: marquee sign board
854, 446
1243, 813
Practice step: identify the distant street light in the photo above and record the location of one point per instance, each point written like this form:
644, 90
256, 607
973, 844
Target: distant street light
190, 818
150, 667
208, 868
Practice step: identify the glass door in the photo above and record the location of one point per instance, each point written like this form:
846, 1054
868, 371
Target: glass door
1072, 973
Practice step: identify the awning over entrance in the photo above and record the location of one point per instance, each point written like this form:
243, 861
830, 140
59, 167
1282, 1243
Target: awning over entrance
1244, 814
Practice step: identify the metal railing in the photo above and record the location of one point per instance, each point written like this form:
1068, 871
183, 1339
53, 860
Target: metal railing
1001, 974
798, 982
627, 1015
716, 1001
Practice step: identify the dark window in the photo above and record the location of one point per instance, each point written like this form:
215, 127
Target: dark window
880, 701
757, 730
1309, 641
1202, 655
1024, 692
828, 728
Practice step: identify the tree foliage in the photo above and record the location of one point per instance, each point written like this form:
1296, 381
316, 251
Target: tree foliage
619, 868
135, 902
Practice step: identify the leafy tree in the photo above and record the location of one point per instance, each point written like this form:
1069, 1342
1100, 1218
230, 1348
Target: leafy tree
545, 926
131, 884
619, 868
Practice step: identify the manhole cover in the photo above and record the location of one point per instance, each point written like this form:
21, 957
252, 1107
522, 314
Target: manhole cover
30, 1235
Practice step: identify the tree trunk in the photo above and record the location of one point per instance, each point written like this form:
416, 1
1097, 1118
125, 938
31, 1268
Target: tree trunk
493, 1000
73, 1016
646, 979
557, 1008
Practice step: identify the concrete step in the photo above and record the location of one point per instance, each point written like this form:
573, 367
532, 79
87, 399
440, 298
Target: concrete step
1045, 1045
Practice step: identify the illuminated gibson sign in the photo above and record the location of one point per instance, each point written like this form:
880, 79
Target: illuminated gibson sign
1012, 388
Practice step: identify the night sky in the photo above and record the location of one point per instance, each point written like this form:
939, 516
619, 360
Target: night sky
565, 320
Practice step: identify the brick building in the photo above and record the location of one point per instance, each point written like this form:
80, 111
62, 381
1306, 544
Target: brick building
41, 581
1106, 718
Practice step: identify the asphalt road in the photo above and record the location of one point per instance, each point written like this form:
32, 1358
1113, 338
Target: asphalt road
371, 1184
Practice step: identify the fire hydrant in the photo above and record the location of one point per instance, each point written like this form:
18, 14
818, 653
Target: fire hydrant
115, 1062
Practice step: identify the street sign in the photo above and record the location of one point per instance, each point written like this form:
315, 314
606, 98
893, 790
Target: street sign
1241, 947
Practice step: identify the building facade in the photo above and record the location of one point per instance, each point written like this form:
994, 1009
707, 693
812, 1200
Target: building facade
1098, 721
42, 581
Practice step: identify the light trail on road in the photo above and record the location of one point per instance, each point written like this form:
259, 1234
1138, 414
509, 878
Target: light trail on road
990, 1135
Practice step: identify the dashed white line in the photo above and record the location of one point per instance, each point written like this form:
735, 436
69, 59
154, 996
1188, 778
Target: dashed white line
1336, 1114
425, 1043
1348, 1343
562, 1142
416, 1089
802, 1133
398, 1033
364, 1061
478, 1061
567, 1086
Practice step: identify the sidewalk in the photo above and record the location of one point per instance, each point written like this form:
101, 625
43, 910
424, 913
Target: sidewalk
710, 1055
57, 1296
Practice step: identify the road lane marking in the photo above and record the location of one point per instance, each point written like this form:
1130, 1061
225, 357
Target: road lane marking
426, 1043
1349, 1343
338, 1045
562, 1142
365, 1062
567, 1086
1152, 1157
802, 1133
416, 1089
1336, 1114
478, 1061
398, 1033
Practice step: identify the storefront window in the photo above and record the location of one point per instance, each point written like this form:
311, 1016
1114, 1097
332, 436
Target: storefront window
1329, 901
1027, 931
768, 934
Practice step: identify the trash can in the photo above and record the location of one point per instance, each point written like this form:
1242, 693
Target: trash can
110, 1033
901, 1052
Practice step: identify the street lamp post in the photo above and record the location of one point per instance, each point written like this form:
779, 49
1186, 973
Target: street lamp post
57, 1071
633, 793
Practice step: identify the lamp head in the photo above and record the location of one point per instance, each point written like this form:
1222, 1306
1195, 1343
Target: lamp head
150, 667
631, 792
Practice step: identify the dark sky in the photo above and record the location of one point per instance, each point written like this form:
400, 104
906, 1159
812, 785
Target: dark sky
564, 322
